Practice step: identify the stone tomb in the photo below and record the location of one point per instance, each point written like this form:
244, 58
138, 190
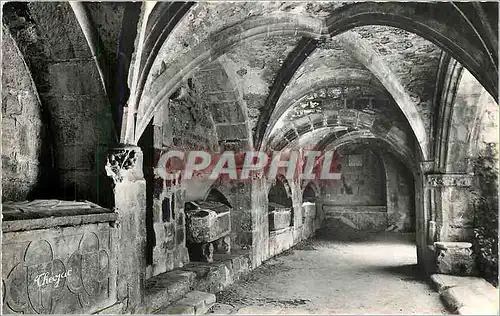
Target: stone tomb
280, 216
308, 210
208, 225
58, 257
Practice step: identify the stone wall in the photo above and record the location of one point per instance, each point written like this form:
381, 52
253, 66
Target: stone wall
356, 202
362, 181
72, 95
260, 222
23, 130
192, 126
267, 243
182, 123
312, 214
198, 116
239, 195
280, 193
166, 235
381, 197
400, 196
485, 190
465, 131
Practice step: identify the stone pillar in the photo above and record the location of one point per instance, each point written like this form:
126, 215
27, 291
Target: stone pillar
451, 206
260, 221
297, 209
421, 218
423, 212
239, 194
124, 166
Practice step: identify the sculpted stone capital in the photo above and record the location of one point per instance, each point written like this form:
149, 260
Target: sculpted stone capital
257, 175
449, 180
124, 163
427, 166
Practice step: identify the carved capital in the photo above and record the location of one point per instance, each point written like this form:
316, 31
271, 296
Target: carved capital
449, 180
257, 175
427, 166
124, 163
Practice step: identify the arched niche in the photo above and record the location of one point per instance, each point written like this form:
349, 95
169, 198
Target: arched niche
310, 193
280, 204
356, 204
215, 195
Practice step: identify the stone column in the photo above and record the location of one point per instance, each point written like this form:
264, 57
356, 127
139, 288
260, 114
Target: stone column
239, 194
451, 206
124, 166
260, 220
297, 210
423, 211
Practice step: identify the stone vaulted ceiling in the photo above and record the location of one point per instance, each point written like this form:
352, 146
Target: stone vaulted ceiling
291, 71
274, 75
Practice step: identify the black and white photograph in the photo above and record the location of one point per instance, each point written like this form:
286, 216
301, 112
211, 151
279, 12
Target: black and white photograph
250, 157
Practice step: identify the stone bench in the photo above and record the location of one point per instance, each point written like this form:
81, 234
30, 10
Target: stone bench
467, 295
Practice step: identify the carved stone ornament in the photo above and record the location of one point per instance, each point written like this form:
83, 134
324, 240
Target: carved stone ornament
42, 282
449, 180
124, 162
427, 166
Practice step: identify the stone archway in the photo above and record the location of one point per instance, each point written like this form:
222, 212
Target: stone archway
288, 24
280, 205
356, 203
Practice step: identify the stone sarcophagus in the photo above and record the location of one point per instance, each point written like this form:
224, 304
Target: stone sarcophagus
58, 257
208, 225
308, 210
280, 217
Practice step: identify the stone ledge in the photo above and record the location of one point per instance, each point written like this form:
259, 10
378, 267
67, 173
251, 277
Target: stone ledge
194, 303
449, 180
177, 310
452, 244
166, 288
222, 309
330, 208
201, 301
51, 222
41, 214
467, 295
280, 231
112, 310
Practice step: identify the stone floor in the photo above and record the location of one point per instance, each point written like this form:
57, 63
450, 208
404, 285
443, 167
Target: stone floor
377, 274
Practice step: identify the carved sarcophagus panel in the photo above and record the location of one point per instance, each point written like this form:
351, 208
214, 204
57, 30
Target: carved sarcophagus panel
58, 257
